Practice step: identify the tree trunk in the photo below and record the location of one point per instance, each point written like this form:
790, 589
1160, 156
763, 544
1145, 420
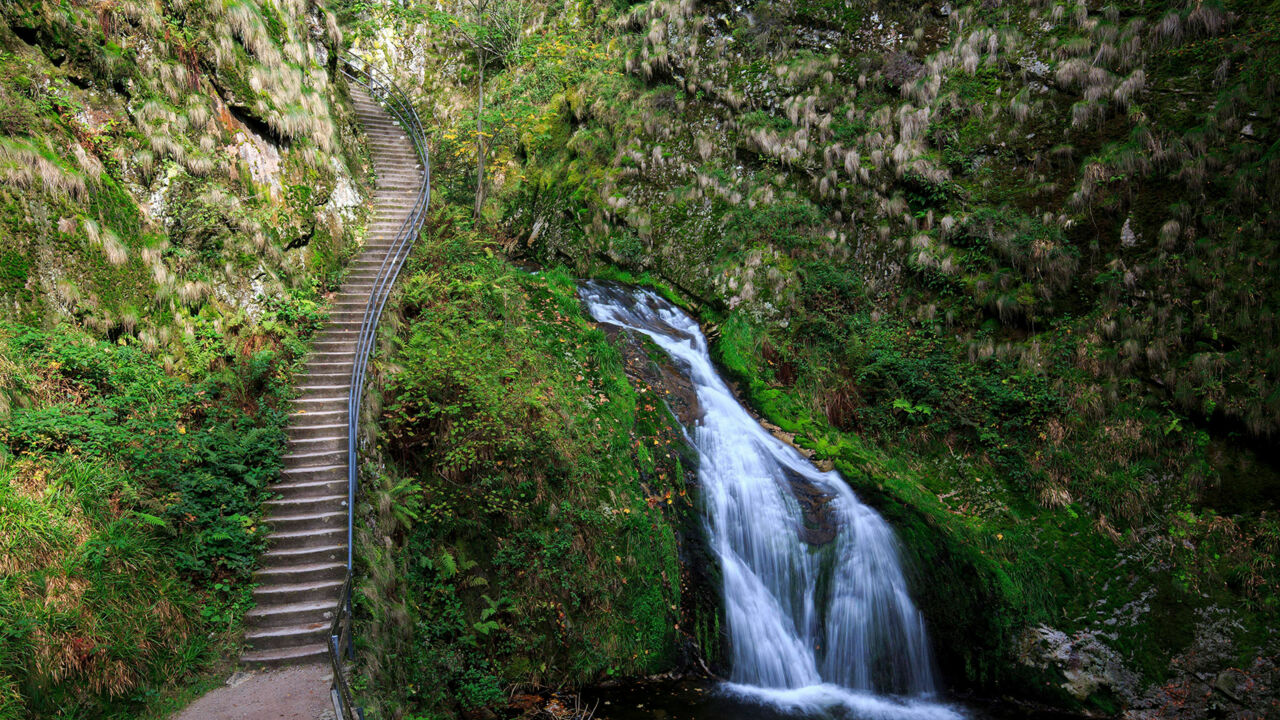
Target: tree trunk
480, 141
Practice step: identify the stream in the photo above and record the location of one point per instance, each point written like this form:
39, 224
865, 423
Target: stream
817, 608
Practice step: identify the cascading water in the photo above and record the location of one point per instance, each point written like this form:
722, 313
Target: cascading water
816, 604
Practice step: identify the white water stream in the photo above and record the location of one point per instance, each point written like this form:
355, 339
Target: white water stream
816, 604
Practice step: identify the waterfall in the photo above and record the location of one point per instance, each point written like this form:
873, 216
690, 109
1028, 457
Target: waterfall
816, 604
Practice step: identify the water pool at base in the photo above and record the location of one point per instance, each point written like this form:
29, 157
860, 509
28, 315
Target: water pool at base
707, 700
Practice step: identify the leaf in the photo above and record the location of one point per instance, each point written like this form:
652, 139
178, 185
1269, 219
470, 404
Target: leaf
448, 566
150, 519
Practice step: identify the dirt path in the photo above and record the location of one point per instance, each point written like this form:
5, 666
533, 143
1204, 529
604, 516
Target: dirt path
293, 693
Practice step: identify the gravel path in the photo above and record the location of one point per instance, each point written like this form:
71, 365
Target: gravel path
293, 693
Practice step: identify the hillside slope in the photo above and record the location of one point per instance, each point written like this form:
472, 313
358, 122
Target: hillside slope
1006, 266
179, 188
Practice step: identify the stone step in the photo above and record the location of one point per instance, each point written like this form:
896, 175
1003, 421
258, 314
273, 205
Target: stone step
321, 345
307, 432
404, 204
326, 366
316, 458
310, 417
318, 554
349, 332
295, 592
323, 395
310, 522
321, 404
349, 306
327, 378
305, 504
331, 390
371, 271
301, 573
298, 539
323, 443
350, 314
317, 487
303, 408
313, 473
288, 636
348, 303
291, 613
284, 657
353, 298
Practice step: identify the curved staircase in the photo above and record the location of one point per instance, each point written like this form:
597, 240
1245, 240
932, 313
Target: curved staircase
306, 565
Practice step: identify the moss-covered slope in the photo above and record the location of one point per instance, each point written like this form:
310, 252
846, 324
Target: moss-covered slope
1008, 266
178, 188
528, 520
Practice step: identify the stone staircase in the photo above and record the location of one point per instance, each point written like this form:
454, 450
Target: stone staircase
304, 567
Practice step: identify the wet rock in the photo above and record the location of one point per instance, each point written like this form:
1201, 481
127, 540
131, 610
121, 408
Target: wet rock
819, 522
1085, 664
1207, 679
671, 384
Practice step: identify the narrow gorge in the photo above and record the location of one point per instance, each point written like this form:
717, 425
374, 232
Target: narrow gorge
787, 360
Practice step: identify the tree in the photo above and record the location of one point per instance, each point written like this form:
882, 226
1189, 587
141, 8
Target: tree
491, 29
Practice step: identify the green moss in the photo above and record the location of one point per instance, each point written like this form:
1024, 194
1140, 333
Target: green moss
554, 484
13, 271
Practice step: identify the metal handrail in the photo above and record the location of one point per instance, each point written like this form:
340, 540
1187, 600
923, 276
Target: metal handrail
397, 103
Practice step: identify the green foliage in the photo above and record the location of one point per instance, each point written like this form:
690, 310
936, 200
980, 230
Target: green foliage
13, 271
546, 489
131, 500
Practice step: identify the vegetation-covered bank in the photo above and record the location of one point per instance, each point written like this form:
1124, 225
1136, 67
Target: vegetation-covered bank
526, 526
130, 500
178, 190
1007, 266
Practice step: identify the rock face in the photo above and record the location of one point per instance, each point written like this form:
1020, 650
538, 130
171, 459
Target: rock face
1207, 681
1198, 686
1086, 664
